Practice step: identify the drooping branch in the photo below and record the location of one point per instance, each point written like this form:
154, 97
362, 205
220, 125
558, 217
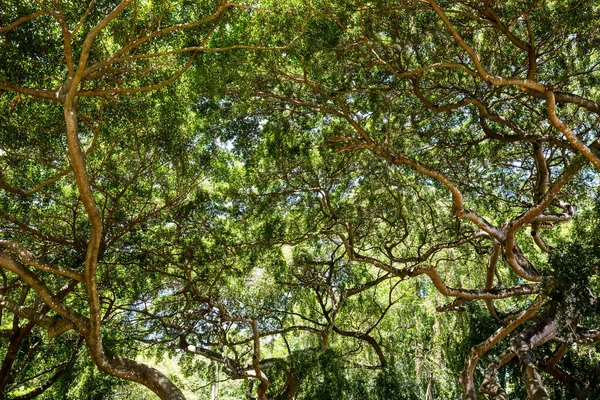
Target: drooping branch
539, 191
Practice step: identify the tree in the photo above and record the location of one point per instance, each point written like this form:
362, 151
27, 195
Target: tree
78, 160
482, 101
292, 219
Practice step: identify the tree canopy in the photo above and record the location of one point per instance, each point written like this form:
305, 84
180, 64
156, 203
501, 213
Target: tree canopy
299, 200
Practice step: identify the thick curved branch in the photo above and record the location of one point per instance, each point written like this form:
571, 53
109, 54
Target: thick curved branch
261, 391
550, 365
489, 280
532, 87
494, 80
28, 258
521, 346
41, 93
567, 132
457, 197
367, 338
435, 248
22, 20
53, 326
471, 294
466, 378
42, 290
588, 337
24, 193
490, 385
514, 256
550, 196
137, 372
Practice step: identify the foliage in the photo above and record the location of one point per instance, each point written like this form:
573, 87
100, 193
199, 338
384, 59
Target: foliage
311, 200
